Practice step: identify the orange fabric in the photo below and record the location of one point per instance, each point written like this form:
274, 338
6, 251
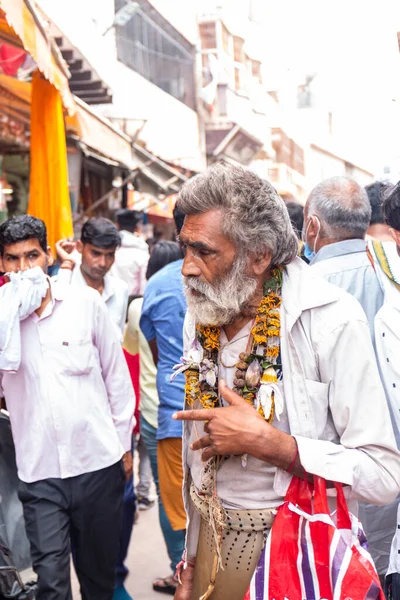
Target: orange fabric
48, 194
170, 477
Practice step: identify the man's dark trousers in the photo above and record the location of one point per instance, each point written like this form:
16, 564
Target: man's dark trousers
85, 510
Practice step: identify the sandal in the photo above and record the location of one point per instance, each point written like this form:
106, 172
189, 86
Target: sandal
165, 585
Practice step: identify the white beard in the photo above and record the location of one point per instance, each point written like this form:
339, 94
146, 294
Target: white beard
220, 304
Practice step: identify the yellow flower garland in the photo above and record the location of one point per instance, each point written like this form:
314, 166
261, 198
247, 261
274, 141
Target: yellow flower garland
265, 347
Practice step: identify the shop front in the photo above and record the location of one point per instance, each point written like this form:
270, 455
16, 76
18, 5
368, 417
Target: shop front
34, 96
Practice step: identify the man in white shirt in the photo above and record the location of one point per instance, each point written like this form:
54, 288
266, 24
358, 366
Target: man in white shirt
298, 396
337, 215
91, 264
387, 328
71, 407
133, 254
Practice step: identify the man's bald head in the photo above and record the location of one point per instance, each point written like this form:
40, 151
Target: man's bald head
343, 208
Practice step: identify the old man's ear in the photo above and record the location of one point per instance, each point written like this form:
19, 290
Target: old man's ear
260, 262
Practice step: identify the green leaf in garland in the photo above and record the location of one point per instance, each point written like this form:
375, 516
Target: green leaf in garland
274, 283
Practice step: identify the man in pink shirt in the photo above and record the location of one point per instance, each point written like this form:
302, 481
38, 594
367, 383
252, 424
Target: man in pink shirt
71, 408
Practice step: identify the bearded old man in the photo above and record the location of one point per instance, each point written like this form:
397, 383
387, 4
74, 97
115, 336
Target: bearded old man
281, 380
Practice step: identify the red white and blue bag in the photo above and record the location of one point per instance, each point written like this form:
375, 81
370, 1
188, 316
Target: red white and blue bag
311, 555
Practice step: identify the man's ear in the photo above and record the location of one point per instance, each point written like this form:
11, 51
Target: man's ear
79, 246
50, 257
313, 227
395, 235
260, 262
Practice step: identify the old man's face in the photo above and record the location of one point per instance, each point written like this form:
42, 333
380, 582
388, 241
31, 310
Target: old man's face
218, 282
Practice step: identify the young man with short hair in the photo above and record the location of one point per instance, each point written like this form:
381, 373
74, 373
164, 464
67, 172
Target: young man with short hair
91, 265
378, 228
71, 408
94, 258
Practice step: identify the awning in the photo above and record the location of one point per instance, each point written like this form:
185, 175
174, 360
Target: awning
21, 25
98, 134
232, 144
98, 137
164, 177
16, 89
85, 82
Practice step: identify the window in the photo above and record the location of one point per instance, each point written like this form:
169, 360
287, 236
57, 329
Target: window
238, 83
256, 70
208, 36
238, 54
149, 45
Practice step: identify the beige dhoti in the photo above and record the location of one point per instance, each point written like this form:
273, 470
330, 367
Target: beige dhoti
241, 542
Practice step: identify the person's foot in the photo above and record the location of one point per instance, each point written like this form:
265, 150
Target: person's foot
145, 503
166, 585
120, 593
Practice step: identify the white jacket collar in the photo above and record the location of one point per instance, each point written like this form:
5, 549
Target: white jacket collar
303, 290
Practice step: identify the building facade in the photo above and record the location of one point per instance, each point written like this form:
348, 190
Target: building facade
148, 65
235, 105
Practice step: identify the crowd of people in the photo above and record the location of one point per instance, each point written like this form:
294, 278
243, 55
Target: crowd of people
258, 346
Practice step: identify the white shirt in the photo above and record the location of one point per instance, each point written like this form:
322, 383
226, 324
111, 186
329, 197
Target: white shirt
71, 402
115, 293
131, 260
387, 331
136, 343
238, 487
333, 395
394, 562
346, 264
21, 296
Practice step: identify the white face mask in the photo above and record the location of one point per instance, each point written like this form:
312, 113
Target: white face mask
308, 252
31, 287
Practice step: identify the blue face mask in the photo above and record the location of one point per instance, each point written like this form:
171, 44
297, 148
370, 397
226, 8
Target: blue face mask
308, 253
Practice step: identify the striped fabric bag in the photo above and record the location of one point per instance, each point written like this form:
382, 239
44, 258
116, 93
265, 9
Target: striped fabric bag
311, 555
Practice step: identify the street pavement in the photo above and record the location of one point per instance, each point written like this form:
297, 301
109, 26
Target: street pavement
147, 559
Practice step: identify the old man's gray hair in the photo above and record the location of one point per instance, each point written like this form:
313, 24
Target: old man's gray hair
343, 207
255, 218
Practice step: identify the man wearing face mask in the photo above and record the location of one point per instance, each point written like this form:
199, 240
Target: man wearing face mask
71, 408
336, 218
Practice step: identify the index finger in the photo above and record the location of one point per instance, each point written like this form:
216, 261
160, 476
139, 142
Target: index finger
194, 415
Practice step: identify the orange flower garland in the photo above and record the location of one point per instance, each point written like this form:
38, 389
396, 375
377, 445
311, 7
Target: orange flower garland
202, 379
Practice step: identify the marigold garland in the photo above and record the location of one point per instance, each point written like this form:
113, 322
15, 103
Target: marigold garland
209, 337
250, 383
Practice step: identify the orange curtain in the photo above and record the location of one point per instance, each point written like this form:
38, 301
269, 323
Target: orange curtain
48, 194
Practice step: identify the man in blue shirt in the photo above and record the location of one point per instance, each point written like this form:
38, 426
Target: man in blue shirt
163, 314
